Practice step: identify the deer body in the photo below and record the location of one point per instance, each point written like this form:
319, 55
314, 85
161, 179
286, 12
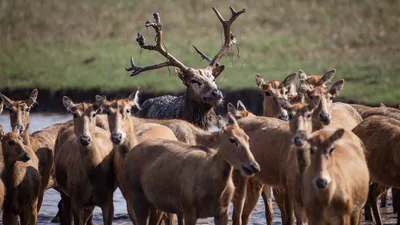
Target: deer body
86, 150
174, 188
331, 193
21, 179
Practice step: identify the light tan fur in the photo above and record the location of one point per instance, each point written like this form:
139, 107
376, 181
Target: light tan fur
86, 150
175, 188
21, 179
331, 193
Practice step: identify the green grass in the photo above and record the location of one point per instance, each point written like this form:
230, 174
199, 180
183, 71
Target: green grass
58, 44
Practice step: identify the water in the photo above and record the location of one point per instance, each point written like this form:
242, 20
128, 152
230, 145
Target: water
51, 198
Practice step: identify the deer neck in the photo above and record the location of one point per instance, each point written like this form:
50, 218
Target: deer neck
221, 170
131, 139
200, 114
26, 137
209, 139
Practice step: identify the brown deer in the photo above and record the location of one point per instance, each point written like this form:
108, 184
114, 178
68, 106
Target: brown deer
331, 193
2, 189
174, 188
21, 179
40, 142
125, 134
84, 149
202, 94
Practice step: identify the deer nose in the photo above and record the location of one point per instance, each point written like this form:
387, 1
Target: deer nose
321, 183
84, 140
298, 141
25, 157
284, 117
255, 167
116, 138
325, 117
217, 94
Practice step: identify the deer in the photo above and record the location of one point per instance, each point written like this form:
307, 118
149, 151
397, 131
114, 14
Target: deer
332, 194
41, 142
84, 149
126, 133
2, 188
187, 191
202, 94
21, 179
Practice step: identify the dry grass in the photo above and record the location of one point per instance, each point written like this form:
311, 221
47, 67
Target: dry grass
58, 44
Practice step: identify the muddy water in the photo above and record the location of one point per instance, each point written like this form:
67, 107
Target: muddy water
51, 198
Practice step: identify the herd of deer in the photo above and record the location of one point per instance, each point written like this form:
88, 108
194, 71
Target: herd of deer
324, 161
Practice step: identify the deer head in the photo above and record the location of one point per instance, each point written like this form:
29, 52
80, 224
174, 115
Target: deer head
13, 146
84, 120
234, 147
322, 150
240, 111
308, 83
275, 91
20, 109
119, 116
200, 83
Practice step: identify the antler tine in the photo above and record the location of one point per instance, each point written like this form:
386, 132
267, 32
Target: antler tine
204, 56
229, 37
171, 60
138, 69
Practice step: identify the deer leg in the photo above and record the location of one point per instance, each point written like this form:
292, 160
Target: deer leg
374, 192
253, 192
238, 200
221, 220
396, 203
181, 221
269, 211
190, 218
79, 215
29, 214
383, 199
288, 209
88, 214
157, 217
140, 210
356, 218
108, 211
90, 220
280, 197
9, 217
66, 211
345, 220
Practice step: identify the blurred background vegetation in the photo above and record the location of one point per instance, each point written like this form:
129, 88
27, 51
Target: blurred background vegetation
59, 44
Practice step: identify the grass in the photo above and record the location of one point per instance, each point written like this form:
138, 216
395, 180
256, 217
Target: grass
58, 44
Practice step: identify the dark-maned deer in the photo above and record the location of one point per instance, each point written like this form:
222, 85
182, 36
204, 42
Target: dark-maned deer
40, 142
126, 133
84, 149
174, 188
331, 192
202, 94
21, 179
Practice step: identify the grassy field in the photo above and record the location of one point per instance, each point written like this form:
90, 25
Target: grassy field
57, 44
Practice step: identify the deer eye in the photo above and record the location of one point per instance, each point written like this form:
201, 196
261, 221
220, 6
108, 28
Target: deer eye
331, 150
94, 115
27, 109
308, 115
312, 151
290, 117
331, 98
195, 82
233, 141
267, 93
11, 142
128, 111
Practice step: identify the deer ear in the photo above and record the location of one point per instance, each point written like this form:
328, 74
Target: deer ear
218, 70
326, 77
134, 99
336, 87
231, 108
382, 105
288, 80
240, 106
337, 135
32, 98
259, 80
286, 105
68, 103
1, 106
231, 119
302, 75
101, 101
6, 101
220, 122
1, 131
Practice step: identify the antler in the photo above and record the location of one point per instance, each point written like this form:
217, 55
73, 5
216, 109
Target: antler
228, 36
171, 60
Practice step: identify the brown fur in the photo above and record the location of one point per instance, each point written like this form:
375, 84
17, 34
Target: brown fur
360, 108
342, 195
21, 179
381, 136
383, 111
121, 122
86, 150
174, 188
2, 188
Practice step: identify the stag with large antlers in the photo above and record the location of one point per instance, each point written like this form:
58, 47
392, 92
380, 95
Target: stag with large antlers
202, 94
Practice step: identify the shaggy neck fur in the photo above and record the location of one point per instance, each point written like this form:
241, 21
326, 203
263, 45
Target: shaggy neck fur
197, 113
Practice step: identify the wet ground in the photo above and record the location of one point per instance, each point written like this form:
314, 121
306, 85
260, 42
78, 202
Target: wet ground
51, 198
